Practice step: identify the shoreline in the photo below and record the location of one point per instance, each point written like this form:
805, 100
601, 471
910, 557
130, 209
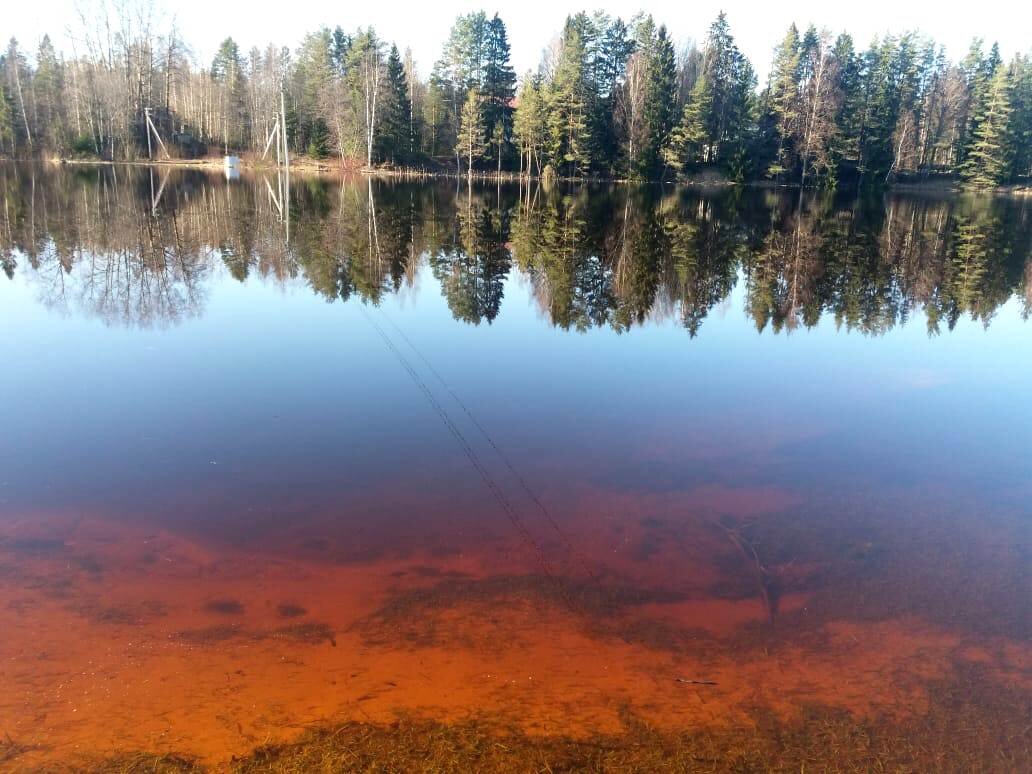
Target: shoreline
304, 165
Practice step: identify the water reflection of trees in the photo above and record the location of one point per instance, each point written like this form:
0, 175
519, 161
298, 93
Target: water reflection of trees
87, 250
132, 247
472, 260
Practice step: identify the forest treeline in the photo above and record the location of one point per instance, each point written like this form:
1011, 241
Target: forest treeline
615, 257
610, 99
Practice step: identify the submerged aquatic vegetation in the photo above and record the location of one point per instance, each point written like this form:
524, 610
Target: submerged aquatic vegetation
209, 635
967, 729
410, 616
11, 749
972, 725
290, 610
309, 633
224, 606
312, 633
147, 763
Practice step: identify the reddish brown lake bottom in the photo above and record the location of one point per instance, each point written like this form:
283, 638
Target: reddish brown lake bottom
127, 638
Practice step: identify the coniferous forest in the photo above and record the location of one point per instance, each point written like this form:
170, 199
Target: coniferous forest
611, 98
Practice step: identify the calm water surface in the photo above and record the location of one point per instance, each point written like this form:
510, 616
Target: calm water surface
566, 461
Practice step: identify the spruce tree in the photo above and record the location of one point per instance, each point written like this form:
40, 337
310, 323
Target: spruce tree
849, 121
987, 161
499, 87
394, 141
17, 76
782, 101
340, 46
437, 120
658, 111
612, 50
1021, 117
318, 139
686, 147
6, 123
586, 29
887, 66
312, 77
48, 91
976, 77
227, 70
567, 126
730, 80
460, 69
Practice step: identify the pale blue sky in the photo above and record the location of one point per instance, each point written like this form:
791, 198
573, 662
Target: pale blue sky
533, 23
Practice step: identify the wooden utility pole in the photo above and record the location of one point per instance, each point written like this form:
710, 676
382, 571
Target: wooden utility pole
268, 143
283, 130
286, 159
151, 128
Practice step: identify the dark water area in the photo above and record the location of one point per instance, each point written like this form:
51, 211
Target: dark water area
747, 468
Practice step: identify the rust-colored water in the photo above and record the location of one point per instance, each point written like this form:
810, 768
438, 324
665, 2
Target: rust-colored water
131, 638
272, 513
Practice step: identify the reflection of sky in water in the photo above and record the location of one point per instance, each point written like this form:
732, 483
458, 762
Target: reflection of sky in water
275, 399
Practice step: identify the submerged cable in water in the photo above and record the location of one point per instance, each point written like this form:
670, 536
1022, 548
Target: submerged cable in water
567, 543
495, 490
573, 552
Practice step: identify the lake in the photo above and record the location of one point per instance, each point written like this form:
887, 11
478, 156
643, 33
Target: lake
623, 477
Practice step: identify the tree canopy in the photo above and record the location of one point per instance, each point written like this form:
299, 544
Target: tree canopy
611, 98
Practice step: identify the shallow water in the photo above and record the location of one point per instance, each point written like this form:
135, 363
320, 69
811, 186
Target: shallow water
551, 459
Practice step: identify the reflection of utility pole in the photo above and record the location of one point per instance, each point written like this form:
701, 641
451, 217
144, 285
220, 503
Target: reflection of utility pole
374, 231
286, 159
156, 197
273, 197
